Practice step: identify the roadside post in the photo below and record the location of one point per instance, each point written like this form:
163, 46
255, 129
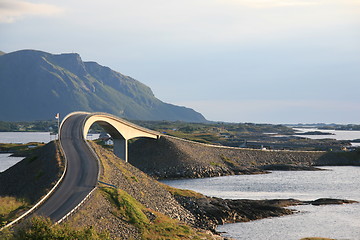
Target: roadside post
57, 116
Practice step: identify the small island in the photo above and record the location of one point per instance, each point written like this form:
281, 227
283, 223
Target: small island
315, 133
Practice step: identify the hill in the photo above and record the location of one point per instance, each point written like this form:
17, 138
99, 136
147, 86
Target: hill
36, 85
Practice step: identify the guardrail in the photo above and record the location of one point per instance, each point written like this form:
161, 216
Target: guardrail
46, 196
108, 184
98, 175
76, 207
240, 148
60, 180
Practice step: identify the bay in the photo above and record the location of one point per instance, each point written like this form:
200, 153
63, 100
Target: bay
6, 161
25, 137
340, 221
335, 134
332, 221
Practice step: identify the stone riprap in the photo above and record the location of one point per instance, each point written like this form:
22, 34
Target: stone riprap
170, 157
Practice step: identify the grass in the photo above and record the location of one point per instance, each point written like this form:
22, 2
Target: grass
20, 149
229, 162
182, 192
127, 206
151, 224
208, 138
9, 207
13, 147
215, 164
41, 228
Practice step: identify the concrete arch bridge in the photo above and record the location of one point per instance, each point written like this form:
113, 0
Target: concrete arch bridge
120, 130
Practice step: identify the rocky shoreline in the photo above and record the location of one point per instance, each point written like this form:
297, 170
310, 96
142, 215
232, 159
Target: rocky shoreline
203, 214
210, 212
173, 158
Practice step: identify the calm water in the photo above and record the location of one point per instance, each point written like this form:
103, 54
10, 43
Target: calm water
333, 221
25, 137
338, 135
20, 137
6, 161
336, 221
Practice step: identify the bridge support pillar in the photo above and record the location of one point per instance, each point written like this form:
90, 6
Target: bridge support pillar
121, 148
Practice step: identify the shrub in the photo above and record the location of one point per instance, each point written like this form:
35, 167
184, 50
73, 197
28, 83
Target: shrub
43, 228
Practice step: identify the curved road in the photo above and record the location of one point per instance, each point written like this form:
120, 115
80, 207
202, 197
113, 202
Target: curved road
81, 175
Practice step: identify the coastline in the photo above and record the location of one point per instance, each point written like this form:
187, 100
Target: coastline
173, 158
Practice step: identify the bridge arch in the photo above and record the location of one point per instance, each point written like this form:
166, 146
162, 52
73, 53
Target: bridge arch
120, 130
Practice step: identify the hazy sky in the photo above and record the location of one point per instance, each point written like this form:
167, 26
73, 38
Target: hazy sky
274, 61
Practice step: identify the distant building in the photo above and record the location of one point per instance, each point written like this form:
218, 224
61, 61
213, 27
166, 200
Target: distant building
106, 138
109, 142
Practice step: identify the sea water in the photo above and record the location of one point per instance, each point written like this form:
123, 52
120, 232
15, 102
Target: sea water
335, 134
26, 137
332, 221
6, 161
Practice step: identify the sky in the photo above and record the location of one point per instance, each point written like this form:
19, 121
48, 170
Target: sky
260, 61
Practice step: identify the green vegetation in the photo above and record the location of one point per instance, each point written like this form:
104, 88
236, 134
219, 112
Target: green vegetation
215, 127
128, 207
151, 224
229, 162
248, 135
21, 149
39, 228
182, 192
215, 164
35, 126
227, 134
10, 208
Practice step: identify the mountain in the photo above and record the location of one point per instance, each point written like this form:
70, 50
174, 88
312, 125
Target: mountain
35, 85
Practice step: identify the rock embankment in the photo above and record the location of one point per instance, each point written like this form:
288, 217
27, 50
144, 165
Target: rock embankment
33, 177
170, 157
201, 212
101, 214
139, 205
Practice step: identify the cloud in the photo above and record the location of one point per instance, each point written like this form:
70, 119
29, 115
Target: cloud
12, 10
272, 3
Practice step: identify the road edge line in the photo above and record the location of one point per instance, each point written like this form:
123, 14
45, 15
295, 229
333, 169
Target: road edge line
98, 176
46, 196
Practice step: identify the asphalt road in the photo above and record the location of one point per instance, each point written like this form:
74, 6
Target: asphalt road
82, 172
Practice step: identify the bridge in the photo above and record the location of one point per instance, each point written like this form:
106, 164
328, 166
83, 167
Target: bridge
81, 172
120, 130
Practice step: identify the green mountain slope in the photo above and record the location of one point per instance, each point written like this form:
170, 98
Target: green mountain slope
35, 85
